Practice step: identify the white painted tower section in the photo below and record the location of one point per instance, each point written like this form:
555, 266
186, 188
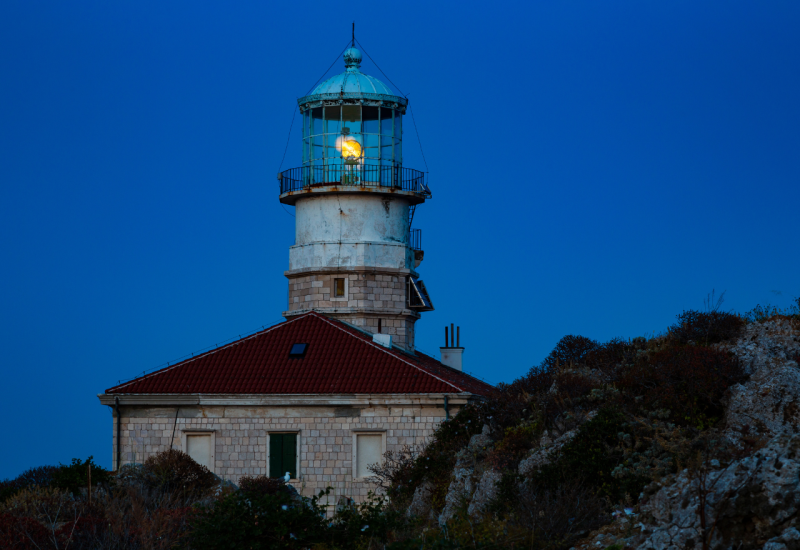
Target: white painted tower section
350, 231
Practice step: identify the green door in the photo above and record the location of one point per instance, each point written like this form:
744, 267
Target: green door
283, 455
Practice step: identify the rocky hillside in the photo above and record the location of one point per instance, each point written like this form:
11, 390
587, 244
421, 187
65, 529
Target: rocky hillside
685, 440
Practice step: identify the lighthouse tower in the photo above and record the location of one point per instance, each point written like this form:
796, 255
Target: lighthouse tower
355, 253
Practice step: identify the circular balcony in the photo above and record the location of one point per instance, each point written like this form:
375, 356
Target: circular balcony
305, 181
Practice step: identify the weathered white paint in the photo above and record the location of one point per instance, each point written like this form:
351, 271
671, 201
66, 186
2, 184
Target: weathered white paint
354, 218
453, 357
350, 254
351, 230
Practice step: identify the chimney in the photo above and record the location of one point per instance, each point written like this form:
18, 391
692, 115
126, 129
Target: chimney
384, 340
452, 352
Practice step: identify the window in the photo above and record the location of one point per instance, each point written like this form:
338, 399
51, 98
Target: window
369, 449
418, 297
283, 455
298, 350
200, 446
339, 290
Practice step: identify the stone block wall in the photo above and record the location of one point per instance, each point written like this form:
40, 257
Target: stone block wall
241, 438
370, 296
365, 290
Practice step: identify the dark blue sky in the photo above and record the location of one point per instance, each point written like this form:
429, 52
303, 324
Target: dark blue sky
597, 167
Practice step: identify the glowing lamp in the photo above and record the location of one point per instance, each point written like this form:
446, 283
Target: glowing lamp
351, 149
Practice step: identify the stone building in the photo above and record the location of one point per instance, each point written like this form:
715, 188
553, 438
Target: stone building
326, 393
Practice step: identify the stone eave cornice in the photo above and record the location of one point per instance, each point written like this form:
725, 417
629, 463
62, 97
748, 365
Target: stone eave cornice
287, 400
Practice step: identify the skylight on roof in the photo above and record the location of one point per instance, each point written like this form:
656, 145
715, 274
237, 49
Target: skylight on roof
298, 350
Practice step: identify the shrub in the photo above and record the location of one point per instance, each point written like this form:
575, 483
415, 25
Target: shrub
437, 460
558, 516
760, 313
514, 445
40, 503
257, 521
21, 533
689, 381
75, 476
569, 350
174, 470
590, 457
261, 485
705, 328
41, 476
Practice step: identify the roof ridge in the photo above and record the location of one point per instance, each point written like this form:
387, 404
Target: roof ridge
206, 354
385, 350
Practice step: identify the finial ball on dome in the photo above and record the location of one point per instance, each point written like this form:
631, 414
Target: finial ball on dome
352, 57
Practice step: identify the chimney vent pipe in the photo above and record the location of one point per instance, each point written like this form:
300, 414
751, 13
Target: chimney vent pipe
452, 352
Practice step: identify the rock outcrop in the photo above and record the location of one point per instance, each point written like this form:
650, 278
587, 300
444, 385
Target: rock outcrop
769, 402
463, 484
548, 449
421, 502
485, 493
753, 501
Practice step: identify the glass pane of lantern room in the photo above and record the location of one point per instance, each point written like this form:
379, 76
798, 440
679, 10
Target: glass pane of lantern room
386, 121
370, 117
333, 117
351, 118
387, 157
372, 143
398, 152
398, 125
316, 115
317, 149
305, 136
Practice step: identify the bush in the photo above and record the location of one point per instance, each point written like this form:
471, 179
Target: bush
257, 521
74, 477
570, 350
514, 445
173, 470
688, 381
41, 477
760, 313
437, 460
21, 533
590, 457
705, 328
261, 485
558, 516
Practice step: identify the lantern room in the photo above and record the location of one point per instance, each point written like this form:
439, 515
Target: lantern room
352, 132
352, 119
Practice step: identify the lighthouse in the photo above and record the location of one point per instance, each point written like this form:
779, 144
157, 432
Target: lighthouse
356, 255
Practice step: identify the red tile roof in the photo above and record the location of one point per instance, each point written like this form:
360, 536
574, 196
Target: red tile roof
340, 360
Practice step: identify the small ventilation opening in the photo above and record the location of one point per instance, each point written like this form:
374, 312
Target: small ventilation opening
298, 350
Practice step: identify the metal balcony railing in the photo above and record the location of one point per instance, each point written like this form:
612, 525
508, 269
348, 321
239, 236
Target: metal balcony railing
395, 177
415, 239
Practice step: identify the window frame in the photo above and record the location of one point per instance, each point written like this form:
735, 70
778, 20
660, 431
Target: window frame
297, 435
354, 453
212, 433
346, 296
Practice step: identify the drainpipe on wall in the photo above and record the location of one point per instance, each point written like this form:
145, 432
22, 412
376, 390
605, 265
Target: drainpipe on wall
446, 409
119, 433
